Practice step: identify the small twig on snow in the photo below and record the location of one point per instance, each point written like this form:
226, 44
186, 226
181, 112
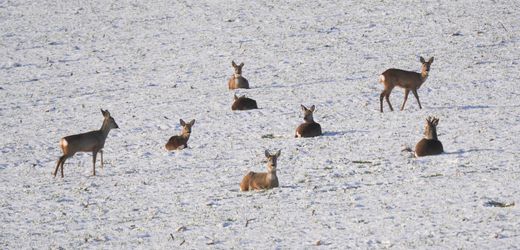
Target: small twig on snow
248, 220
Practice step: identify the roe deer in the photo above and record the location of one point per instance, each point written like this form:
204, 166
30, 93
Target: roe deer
309, 128
408, 80
92, 141
180, 141
243, 103
429, 145
252, 180
237, 81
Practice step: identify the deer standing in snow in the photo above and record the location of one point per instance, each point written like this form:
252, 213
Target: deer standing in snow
92, 141
409, 80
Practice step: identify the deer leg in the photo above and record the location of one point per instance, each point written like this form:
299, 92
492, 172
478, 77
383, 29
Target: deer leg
63, 163
417, 97
406, 92
387, 97
381, 96
62, 158
101, 153
94, 154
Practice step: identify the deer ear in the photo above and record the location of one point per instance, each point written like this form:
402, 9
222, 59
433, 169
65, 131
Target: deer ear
303, 107
431, 60
278, 153
267, 153
181, 121
233, 64
192, 122
241, 65
103, 112
235, 97
313, 107
422, 59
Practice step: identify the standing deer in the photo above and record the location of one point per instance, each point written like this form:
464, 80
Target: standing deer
429, 145
255, 181
243, 103
309, 128
180, 141
408, 80
92, 141
237, 80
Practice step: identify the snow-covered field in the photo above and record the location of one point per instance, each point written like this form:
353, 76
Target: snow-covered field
151, 63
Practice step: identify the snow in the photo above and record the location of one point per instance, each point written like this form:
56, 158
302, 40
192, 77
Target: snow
152, 63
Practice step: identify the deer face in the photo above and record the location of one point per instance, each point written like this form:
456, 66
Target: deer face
307, 113
112, 123
238, 68
186, 127
271, 160
426, 64
109, 119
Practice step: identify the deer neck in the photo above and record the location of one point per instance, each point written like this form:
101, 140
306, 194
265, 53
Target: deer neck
308, 119
431, 134
271, 174
185, 135
424, 76
105, 128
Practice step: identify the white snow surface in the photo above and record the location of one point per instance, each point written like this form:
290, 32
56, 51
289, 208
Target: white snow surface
151, 63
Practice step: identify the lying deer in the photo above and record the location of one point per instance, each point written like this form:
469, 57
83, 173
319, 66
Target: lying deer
429, 145
255, 181
243, 103
92, 141
237, 81
408, 80
180, 141
309, 128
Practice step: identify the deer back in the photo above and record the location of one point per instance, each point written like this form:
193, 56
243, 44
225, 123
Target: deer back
402, 78
176, 142
85, 142
244, 103
238, 82
428, 147
257, 181
308, 129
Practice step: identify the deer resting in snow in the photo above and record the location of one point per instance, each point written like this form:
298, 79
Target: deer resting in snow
243, 103
92, 141
180, 141
409, 80
430, 144
309, 128
237, 81
255, 181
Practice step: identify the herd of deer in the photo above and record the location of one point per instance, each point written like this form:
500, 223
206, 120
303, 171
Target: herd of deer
94, 141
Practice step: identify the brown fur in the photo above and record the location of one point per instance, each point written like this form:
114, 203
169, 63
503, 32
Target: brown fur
256, 181
92, 141
429, 145
237, 81
309, 128
180, 141
409, 80
243, 103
